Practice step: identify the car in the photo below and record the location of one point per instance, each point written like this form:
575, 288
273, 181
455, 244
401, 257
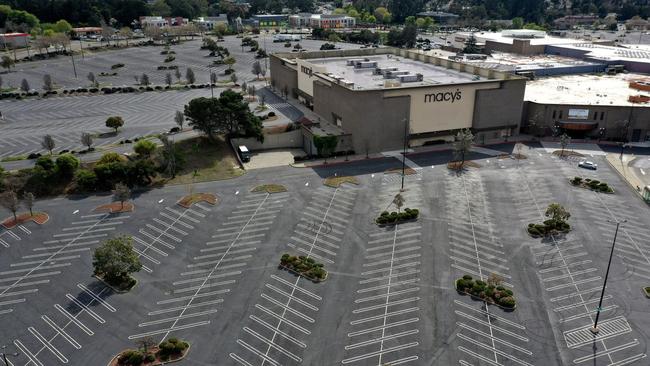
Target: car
588, 165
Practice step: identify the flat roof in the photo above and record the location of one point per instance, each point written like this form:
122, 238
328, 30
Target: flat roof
636, 53
515, 62
585, 89
364, 79
501, 38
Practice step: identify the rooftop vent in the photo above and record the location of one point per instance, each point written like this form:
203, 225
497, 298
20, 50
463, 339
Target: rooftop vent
395, 73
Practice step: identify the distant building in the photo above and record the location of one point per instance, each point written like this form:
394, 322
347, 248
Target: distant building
300, 20
87, 31
269, 20
326, 21
14, 40
209, 23
570, 21
637, 23
160, 22
440, 17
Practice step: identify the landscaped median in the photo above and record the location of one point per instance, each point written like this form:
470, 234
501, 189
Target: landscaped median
386, 218
38, 217
303, 266
556, 224
269, 188
592, 184
168, 351
491, 293
190, 199
115, 207
336, 181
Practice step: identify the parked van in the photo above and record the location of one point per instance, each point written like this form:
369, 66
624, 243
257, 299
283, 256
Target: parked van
244, 153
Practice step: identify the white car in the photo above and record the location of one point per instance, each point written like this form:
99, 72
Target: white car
588, 165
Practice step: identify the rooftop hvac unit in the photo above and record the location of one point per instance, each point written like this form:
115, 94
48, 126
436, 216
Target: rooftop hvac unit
365, 64
353, 61
383, 70
391, 83
394, 73
347, 83
410, 78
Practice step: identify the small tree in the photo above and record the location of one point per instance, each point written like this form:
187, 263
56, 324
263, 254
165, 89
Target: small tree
115, 260
146, 343
565, 140
179, 118
398, 201
230, 61
9, 200
325, 145
48, 85
93, 80
189, 76
169, 156
144, 148
114, 122
7, 62
121, 193
557, 214
29, 202
233, 78
462, 146
168, 79
144, 80
213, 78
257, 69
244, 87
177, 73
87, 139
470, 45
252, 90
262, 99
48, 143
24, 85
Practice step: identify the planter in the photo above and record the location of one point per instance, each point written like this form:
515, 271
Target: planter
312, 279
584, 185
487, 301
114, 362
398, 222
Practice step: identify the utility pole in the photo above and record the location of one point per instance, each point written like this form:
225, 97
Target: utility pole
81, 45
406, 127
73, 65
602, 293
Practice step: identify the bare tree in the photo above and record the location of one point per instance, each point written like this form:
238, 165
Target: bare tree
29, 201
398, 201
24, 85
252, 90
121, 193
93, 80
233, 78
87, 139
189, 76
47, 83
565, 140
144, 80
169, 155
168, 79
145, 343
257, 69
179, 118
48, 143
177, 73
262, 100
9, 200
462, 146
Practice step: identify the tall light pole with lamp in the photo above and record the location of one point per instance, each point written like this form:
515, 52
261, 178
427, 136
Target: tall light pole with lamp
4, 355
595, 329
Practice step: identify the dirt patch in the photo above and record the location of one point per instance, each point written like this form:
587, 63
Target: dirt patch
190, 199
407, 171
566, 153
39, 217
275, 129
115, 207
269, 188
512, 156
335, 182
457, 165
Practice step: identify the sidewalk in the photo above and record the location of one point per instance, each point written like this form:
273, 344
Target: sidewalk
622, 167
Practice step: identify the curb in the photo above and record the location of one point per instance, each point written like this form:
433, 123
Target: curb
622, 176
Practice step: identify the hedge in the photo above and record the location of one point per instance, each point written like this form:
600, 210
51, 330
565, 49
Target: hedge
486, 292
304, 266
395, 217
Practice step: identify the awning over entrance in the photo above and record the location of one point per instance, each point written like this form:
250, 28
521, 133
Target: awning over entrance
578, 126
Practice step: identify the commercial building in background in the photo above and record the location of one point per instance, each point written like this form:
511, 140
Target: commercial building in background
14, 40
520, 41
607, 107
209, 23
160, 22
86, 31
570, 21
269, 20
371, 97
326, 21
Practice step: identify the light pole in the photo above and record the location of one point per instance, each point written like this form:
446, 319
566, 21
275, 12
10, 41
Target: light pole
4, 355
595, 329
211, 83
73, 65
406, 126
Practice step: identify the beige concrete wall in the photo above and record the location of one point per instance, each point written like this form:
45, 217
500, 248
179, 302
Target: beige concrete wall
306, 77
441, 108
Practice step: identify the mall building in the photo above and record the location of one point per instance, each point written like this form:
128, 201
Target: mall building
371, 98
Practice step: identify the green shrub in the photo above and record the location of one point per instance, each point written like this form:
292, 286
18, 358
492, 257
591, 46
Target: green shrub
533, 231
507, 302
111, 157
467, 277
45, 162
131, 357
67, 164
86, 180
150, 358
144, 148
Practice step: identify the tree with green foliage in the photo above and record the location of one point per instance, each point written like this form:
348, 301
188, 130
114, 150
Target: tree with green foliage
62, 26
470, 45
557, 214
29, 199
67, 164
144, 148
517, 23
7, 62
325, 145
229, 61
382, 15
160, 8
228, 114
115, 260
114, 122
462, 146
189, 76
